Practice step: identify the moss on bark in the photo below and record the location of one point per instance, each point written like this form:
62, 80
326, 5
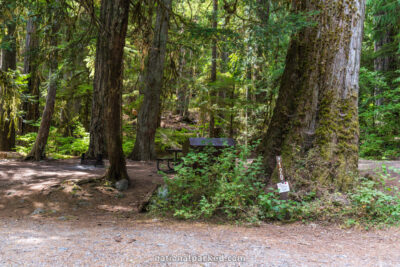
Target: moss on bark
315, 121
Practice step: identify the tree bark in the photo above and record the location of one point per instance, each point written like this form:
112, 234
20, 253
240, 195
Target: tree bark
150, 107
38, 151
382, 63
31, 106
181, 91
97, 144
263, 11
8, 62
108, 74
315, 122
213, 78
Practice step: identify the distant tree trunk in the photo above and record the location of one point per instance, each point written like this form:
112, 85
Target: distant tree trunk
315, 122
38, 151
382, 63
8, 62
150, 107
213, 78
31, 106
182, 93
108, 74
263, 7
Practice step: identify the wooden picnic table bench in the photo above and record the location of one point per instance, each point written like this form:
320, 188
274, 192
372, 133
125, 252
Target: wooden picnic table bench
193, 144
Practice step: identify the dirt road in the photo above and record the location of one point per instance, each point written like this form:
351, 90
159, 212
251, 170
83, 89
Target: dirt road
47, 220
155, 243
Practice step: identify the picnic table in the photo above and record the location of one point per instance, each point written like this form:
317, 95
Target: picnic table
193, 144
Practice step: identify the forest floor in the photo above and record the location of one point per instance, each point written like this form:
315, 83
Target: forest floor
49, 217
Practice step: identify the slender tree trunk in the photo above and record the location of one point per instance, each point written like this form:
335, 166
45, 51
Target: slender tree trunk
31, 106
315, 122
382, 63
263, 7
109, 76
8, 62
181, 87
150, 107
38, 151
213, 78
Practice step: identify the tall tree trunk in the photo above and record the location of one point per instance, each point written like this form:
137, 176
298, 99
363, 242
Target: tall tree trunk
38, 151
315, 122
181, 90
263, 7
150, 107
108, 74
213, 78
8, 62
31, 106
97, 144
382, 63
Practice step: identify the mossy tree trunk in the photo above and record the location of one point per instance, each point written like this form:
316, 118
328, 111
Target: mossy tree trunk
149, 112
8, 62
315, 122
109, 73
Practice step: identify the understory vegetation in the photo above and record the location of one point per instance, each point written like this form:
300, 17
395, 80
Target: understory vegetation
230, 186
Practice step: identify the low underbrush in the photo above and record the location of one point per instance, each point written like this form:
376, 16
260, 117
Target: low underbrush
226, 185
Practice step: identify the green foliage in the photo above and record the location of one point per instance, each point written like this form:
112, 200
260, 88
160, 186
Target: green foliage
226, 185
375, 203
172, 138
380, 124
58, 146
370, 204
12, 84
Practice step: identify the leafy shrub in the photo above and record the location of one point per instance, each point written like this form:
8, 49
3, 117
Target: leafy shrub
58, 146
208, 185
373, 202
226, 185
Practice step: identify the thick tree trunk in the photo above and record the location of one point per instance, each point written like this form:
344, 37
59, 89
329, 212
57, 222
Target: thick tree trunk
213, 78
31, 106
150, 107
315, 122
108, 74
97, 144
38, 151
8, 62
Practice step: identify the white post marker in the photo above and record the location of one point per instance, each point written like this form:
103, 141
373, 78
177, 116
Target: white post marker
283, 186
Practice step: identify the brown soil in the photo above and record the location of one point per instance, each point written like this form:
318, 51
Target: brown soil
54, 186
93, 225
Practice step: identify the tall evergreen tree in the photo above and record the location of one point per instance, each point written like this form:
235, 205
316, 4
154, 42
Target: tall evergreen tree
38, 151
108, 77
31, 64
8, 63
315, 122
152, 87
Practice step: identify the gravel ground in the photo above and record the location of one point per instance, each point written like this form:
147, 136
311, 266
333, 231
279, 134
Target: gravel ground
96, 227
150, 242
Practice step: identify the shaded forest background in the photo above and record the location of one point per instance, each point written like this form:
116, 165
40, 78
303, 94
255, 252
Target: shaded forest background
220, 77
